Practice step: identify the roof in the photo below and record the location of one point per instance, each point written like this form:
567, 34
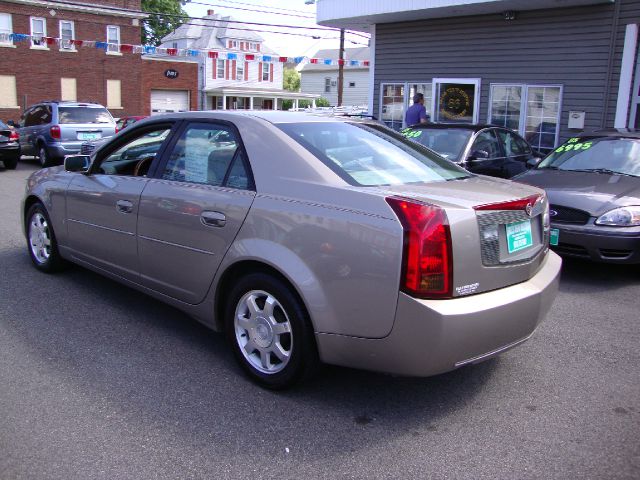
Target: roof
612, 132
272, 116
209, 33
466, 126
362, 53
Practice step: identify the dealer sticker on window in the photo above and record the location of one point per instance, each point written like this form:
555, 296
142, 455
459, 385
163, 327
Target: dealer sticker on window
519, 235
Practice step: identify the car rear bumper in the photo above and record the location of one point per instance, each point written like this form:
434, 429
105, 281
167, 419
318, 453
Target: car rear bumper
599, 244
59, 150
9, 152
434, 336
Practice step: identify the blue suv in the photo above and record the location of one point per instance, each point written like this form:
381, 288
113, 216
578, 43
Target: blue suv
51, 130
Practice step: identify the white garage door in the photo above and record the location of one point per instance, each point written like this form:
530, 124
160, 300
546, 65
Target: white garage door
163, 101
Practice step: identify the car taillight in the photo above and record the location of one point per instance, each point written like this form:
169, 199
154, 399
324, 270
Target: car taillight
55, 131
427, 263
520, 204
14, 135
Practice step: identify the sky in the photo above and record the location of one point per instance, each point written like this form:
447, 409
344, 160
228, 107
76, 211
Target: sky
286, 12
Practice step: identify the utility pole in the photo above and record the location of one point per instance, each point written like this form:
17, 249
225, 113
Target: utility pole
341, 68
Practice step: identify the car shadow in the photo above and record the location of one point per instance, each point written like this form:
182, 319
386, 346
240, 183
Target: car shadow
154, 365
583, 276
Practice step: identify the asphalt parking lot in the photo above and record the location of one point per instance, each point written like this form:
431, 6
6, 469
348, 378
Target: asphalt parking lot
99, 381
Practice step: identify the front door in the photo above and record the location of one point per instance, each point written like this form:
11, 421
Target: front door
102, 206
191, 212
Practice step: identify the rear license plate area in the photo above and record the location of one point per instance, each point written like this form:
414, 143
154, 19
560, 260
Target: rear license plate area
519, 236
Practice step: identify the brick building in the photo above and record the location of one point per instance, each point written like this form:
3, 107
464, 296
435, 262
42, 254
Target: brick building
32, 70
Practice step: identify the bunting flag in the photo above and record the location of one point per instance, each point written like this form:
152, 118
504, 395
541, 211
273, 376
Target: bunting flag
173, 52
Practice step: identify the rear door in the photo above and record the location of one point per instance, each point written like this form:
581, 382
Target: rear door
103, 205
486, 156
192, 210
517, 152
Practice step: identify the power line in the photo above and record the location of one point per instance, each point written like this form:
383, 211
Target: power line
169, 15
260, 6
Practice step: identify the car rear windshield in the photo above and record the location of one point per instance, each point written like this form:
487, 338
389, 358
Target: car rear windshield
371, 155
84, 115
448, 142
596, 154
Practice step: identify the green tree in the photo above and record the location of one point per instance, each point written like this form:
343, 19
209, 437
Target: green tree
291, 80
322, 102
157, 26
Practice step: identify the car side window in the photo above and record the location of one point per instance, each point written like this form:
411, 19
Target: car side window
486, 141
513, 145
204, 154
136, 155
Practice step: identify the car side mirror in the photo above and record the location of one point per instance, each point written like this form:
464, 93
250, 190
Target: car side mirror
533, 162
77, 163
478, 155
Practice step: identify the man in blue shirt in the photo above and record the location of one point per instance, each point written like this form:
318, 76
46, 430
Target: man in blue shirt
416, 113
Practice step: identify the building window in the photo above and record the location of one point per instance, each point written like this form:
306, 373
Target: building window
542, 117
233, 44
240, 70
395, 98
531, 110
114, 96
505, 106
393, 102
68, 90
457, 100
220, 69
113, 38
38, 30
67, 33
327, 85
8, 94
265, 71
6, 29
352, 84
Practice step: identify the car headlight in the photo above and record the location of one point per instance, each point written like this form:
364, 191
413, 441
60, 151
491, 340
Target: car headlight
621, 217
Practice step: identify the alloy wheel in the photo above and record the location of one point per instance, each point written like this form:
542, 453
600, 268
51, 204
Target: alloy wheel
40, 238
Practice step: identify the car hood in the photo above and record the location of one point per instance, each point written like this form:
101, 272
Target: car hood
595, 193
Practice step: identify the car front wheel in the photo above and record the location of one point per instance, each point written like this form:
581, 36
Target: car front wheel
270, 332
41, 240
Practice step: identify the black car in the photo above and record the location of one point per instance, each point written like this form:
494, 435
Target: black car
593, 184
483, 149
9, 147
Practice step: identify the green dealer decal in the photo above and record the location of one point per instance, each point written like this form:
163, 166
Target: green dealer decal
573, 144
409, 133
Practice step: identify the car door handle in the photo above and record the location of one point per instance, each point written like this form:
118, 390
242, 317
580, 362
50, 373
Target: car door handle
213, 219
124, 206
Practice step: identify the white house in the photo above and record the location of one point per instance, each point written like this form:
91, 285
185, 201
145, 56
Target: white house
245, 82
321, 79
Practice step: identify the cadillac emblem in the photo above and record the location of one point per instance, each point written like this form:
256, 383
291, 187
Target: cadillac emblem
529, 209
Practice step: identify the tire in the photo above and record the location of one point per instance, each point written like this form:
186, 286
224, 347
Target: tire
44, 157
41, 241
275, 346
10, 164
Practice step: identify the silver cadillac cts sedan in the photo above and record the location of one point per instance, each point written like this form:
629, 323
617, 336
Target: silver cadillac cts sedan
306, 239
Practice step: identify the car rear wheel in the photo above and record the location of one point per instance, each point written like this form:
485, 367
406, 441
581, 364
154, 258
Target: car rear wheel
41, 241
44, 157
270, 332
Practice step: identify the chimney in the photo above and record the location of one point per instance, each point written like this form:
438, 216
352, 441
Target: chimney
210, 12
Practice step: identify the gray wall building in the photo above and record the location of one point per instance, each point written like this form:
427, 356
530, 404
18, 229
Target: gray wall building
543, 70
323, 79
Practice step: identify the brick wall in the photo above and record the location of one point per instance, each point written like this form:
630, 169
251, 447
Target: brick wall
38, 72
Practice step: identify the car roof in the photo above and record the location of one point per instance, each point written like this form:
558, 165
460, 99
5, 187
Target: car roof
612, 132
465, 126
272, 116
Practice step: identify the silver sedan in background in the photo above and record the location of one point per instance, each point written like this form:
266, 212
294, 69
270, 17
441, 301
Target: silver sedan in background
305, 239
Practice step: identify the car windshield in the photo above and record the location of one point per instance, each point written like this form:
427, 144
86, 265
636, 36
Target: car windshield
84, 115
596, 154
448, 142
371, 155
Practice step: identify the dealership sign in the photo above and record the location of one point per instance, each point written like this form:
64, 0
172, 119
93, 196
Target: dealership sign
171, 73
